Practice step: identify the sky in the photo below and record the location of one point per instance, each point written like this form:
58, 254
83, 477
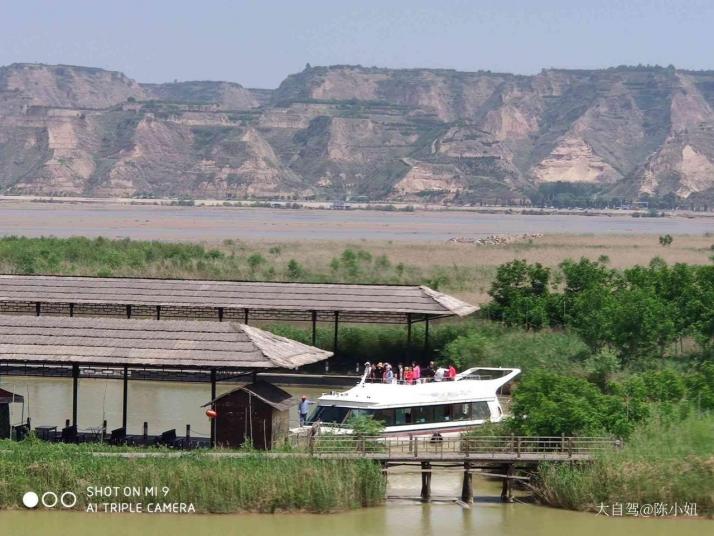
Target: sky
258, 43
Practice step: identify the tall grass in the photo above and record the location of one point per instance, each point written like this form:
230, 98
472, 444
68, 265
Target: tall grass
666, 460
219, 485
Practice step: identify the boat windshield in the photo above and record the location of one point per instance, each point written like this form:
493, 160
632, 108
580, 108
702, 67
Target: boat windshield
328, 414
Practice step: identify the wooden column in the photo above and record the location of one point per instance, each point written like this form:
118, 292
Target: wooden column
409, 333
314, 327
507, 486
213, 397
75, 387
220, 314
425, 481
125, 398
426, 335
334, 338
467, 489
245, 316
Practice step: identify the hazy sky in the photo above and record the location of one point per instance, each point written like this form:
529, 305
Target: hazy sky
257, 43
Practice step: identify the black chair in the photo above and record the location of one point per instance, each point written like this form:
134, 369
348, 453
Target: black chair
21, 432
167, 438
118, 436
69, 434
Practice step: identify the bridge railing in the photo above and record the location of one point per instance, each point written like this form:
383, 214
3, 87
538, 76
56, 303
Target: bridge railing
540, 447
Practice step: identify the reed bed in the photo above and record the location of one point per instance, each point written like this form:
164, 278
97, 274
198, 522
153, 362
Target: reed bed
665, 461
212, 484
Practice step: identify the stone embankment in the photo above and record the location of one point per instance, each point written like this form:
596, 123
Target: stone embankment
495, 240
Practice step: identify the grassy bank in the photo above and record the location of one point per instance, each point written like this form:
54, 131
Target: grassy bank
465, 270
213, 485
666, 460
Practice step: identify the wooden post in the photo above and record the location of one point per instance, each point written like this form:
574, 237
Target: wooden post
245, 316
213, 397
314, 327
188, 436
409, 334
426, 336
220, 314
146, 432
518, 447
75, 387
104, 430
467, 490
507, 489
562, 442
158, 312
38, 308
334, 337
128, 311
125, 398
425, 481
71, 309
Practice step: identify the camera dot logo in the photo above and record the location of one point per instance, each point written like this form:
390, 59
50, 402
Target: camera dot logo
30, 499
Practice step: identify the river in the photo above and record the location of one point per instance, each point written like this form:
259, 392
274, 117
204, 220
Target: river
213, 224
172, 405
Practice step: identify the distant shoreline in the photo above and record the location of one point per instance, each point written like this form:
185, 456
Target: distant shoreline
386, 205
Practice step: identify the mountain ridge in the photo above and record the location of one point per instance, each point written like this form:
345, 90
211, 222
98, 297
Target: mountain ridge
336, 131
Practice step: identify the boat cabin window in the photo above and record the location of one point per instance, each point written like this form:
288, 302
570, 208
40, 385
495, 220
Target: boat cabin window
469, 411
328, 414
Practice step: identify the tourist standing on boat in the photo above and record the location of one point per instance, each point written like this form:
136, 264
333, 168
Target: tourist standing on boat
416, 371
451, 374
400, 372
367, 370
428, 372
304, 409
409, 375
388, 374
439, 374
379, 372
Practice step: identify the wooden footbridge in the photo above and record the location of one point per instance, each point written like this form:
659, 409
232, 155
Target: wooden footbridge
495, 456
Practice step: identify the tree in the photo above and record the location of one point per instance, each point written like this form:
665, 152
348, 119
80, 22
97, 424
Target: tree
666, 240
550, 404
520, 294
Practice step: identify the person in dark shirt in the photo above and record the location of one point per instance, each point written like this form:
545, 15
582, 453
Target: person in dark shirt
428, 372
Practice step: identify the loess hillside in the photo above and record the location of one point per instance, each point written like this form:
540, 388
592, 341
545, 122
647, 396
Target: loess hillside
338, 131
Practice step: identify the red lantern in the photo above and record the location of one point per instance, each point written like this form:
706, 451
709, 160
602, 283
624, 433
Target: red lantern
211, 413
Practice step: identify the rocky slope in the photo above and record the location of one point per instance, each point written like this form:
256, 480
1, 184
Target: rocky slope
334, 131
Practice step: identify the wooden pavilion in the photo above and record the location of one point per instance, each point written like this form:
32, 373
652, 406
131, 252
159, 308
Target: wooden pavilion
86, 346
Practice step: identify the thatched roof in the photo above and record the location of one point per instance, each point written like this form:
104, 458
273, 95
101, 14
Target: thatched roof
149, 343
353, 302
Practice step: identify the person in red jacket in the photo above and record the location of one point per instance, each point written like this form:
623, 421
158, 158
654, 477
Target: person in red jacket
451, 375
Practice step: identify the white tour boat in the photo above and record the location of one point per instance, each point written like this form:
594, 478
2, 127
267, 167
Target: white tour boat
430, 407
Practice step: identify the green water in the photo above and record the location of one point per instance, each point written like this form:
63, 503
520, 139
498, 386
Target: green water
391, 520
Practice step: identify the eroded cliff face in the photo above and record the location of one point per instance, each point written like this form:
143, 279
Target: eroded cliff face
332, 131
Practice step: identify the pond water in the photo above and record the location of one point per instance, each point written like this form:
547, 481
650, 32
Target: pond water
491, 519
